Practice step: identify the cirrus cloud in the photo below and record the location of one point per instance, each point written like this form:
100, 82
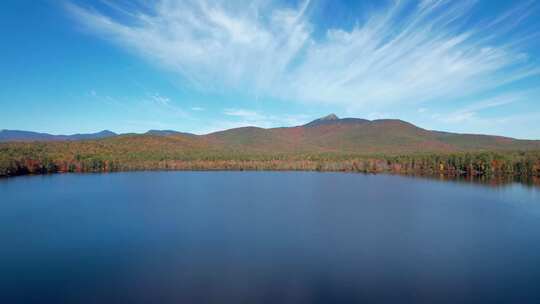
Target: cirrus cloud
405, 53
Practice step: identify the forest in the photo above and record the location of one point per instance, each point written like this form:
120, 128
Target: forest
128, 155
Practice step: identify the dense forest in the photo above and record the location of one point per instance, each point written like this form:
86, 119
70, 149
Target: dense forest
165, 153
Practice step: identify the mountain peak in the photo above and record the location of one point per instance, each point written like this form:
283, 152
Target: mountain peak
107, 132
330, 117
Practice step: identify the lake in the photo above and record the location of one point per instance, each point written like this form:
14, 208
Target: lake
266, 237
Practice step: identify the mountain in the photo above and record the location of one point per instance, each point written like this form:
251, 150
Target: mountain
98, 135
332, 119
325, 144
329, 134
167, 133
15, 135
354, 135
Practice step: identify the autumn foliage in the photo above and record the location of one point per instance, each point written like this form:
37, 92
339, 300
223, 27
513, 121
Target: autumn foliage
137, 152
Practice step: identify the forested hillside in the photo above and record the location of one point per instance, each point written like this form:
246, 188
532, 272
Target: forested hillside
327, 144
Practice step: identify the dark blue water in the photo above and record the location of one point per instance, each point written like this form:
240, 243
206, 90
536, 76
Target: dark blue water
261, 237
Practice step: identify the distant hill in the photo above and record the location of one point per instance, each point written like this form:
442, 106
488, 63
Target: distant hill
167, 133
326, 134
326, 144
15, 135
354, 135
26, 136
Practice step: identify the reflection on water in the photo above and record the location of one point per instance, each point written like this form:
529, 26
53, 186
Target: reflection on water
493, 181
266, 237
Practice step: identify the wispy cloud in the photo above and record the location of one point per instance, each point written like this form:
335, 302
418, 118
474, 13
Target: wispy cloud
245, 114
522, 125
471, 111
163, 104
245, 117
160, 100
495, 115
414, 52
379, 115
149, 104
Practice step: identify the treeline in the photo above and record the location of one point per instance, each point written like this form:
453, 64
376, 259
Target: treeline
109, 156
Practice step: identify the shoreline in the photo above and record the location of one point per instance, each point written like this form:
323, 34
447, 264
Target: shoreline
493, 180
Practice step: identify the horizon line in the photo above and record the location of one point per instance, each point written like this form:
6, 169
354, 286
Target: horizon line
258, 127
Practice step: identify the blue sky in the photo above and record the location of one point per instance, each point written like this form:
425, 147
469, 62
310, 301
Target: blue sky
201, 66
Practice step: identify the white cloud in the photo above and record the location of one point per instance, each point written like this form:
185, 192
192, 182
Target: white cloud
197, 109
401, 54
469, 112
523, 125
379, 115
245, 117
160, 100
499, 115
245, 114
162, 105
458, 117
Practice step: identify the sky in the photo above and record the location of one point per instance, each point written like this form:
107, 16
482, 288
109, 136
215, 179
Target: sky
75, 66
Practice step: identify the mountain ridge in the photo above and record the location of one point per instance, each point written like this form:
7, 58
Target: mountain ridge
329, 144
326, 134
7, 135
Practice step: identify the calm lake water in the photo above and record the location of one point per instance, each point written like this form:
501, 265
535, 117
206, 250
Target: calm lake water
266, 237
